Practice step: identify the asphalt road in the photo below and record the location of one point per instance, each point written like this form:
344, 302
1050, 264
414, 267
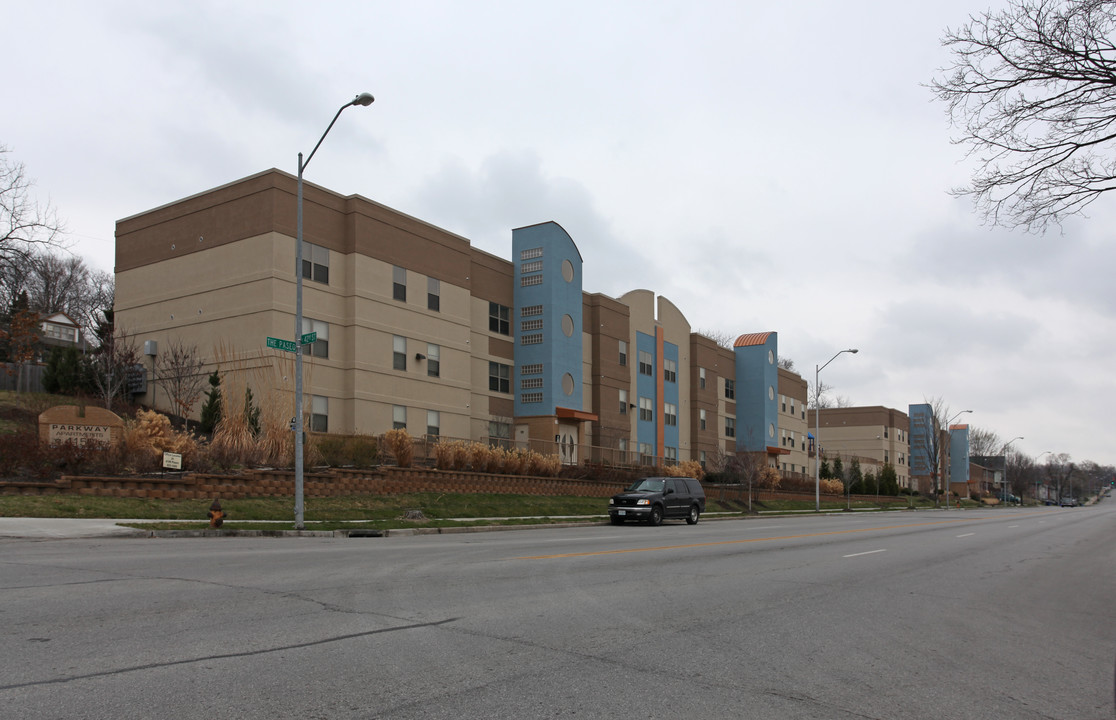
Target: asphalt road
962, 614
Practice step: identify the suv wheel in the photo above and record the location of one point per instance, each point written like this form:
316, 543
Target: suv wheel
694, 514
656, 517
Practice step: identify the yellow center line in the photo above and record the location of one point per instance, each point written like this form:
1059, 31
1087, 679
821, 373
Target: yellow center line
756, 540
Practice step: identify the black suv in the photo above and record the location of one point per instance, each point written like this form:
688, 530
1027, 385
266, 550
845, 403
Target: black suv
654, 498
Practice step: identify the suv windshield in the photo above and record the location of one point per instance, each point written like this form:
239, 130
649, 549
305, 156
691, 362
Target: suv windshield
647, 485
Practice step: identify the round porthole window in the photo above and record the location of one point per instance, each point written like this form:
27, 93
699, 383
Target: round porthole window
771, 430
567, 271
568, 384
567, 325
770, 393
770, 357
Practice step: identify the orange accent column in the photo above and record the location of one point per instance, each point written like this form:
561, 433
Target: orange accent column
660, 424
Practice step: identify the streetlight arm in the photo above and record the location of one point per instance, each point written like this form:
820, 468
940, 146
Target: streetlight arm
364, 99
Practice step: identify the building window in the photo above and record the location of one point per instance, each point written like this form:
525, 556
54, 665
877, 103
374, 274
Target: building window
499, 377
320, 347
646, 409
671, 454
730, 389
433, 360
526, 325
531, 253
315, 262
646, 363
531, 369
434, 294
670, 414
499, 433
319, 413
670, 371
623, 352
398, 417
623, 402
701, 378
433, 423
529, 280
531, 267
531, 311
532, 397
398, 283
701, 419
533, 383
535, 339
701, 459
646, 454
499, 318
730, 427
885, 430
783, 401
399, 352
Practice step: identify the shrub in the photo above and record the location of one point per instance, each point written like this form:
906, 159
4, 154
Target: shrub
832, 487
400, 446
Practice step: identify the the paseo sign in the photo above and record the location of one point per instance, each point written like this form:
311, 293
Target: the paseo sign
80, 425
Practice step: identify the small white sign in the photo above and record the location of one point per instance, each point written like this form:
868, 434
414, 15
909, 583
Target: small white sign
172, 461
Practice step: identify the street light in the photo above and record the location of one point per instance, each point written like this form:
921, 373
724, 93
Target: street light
364, 99
945, 486
817, 427
1044, 452
1002, 450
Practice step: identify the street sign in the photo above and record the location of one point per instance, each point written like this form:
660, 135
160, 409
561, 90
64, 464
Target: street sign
278, 344
308, 338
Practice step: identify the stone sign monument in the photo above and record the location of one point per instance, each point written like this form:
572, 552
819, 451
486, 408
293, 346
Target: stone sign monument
80, 425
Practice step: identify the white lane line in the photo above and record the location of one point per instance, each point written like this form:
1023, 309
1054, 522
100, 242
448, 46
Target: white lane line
1011, 526
870, 552
966, 535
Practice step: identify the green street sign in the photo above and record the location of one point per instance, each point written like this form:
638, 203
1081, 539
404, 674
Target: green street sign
282, 344
308, 338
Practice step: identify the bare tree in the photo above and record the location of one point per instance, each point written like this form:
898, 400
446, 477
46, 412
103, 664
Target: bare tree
24, 223
928, 436
112, 364
179, 369
722, 338
984, 442
786, 363
816, 397
1031, 91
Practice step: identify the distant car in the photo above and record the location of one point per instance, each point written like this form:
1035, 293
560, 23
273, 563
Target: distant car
1069, 502
654, 498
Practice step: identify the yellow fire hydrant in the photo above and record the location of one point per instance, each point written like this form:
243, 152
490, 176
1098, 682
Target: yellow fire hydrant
216, 514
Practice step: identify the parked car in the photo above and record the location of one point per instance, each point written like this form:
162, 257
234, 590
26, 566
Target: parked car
654, 498
1069, 502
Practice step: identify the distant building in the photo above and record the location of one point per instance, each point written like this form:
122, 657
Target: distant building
60, 330
874, 435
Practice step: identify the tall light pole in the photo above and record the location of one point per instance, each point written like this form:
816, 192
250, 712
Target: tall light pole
1002, 451
945, 485
1044, 452
364, 99
817, 427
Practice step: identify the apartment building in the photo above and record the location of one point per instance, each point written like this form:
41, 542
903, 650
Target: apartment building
874, 435
417, 329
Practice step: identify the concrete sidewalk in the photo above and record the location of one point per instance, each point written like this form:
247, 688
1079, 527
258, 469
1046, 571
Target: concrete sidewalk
59, 528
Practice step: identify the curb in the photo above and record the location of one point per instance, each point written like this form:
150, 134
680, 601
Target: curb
355, 533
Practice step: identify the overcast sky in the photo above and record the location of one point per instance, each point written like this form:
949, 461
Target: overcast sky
765, 166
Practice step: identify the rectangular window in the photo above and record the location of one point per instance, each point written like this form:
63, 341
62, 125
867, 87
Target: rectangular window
499, 377
670, 371
885, 430
646, 363
670, 414
399, 352
398, 417
623, 402
783, 401
671, 454
533, 383
532, 397
399, 283
535, 339
702, 459
531, 253
646, 409
730, 427
320, 347
315, 262
531, 369
433, 360
529, 280
433, 423
701, 378
319, 413
623, 352
531, 311
526, 325
646, 454
499, 432
531, 267
730, 389
434, 294
701, 419
499, 318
